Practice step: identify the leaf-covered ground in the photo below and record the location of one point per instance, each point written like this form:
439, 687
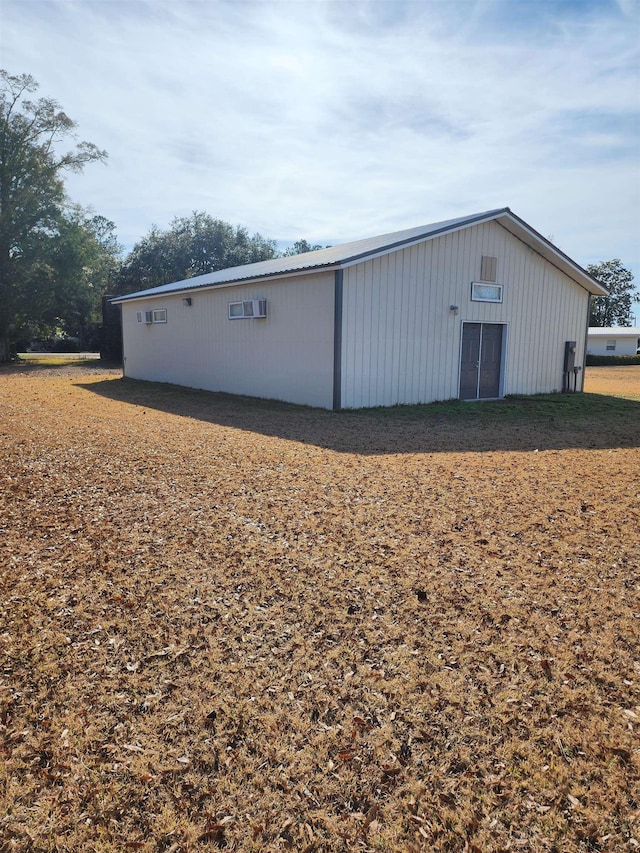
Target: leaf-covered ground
233, 624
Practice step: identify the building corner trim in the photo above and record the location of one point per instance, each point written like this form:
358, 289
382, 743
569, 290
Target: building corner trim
586, 342
337, 340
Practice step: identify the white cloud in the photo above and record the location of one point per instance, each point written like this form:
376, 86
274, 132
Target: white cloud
336, 120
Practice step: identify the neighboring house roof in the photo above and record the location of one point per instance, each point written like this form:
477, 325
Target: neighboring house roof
350, 253
614, 331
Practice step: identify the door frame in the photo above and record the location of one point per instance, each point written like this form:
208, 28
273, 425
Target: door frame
503, 357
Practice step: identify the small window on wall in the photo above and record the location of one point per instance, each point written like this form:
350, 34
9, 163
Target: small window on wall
481, 292
160, 315
140, 317
611, 346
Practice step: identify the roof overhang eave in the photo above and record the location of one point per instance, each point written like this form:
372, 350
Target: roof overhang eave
189, 287
550, 253
503, 216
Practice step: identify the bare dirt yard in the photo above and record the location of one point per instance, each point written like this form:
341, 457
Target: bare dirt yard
237, 624
621, 381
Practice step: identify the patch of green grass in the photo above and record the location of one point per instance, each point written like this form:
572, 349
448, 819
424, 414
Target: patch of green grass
56, 360
518, 407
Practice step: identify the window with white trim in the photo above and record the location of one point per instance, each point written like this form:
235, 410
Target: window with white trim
611, 345
160, 315
483, 292
249, 309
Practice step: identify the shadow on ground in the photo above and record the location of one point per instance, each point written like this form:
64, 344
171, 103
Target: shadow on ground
548, 422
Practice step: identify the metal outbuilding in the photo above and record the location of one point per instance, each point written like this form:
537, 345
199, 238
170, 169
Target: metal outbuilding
475, 307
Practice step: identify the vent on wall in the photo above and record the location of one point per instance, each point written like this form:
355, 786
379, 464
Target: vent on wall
489, 268
248, 310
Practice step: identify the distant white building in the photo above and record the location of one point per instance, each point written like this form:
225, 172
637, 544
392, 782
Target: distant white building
471, 308
613, 340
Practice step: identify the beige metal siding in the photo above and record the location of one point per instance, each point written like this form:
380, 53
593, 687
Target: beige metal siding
287, 356
401, 340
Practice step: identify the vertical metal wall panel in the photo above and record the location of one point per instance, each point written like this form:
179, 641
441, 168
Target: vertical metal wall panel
414, 310
287, 356
401, 341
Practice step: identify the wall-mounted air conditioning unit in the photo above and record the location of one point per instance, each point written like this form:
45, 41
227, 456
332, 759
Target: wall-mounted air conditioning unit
248, 310
259, 307
148, 316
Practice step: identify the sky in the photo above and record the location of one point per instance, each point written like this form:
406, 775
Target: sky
334, 120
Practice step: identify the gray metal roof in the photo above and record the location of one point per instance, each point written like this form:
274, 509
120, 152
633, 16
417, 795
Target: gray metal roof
614, 331
348, 253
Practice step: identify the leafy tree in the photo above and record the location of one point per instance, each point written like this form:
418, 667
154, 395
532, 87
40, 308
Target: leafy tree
75, 266
300, 247
191, 246
85, 260
614, 309
32, 197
